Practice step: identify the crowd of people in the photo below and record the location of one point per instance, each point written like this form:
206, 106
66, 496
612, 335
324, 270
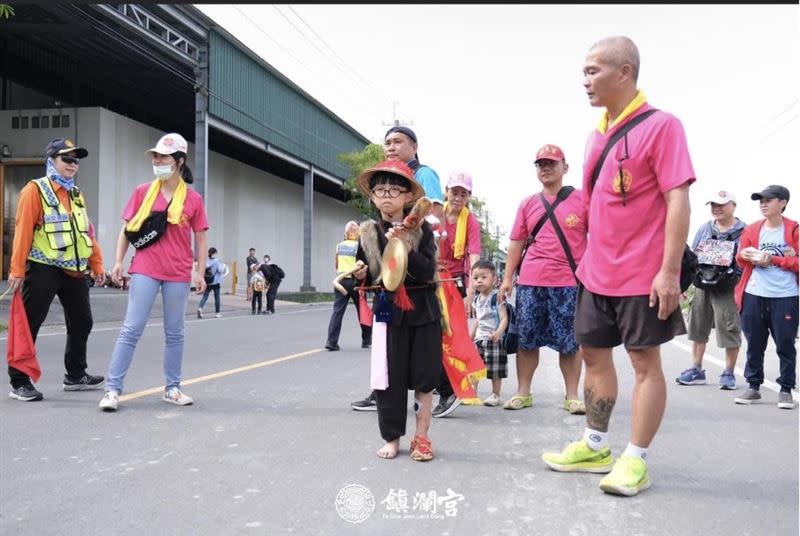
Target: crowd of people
587, 270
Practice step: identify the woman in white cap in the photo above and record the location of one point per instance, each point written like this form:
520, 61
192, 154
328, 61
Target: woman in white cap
160, 218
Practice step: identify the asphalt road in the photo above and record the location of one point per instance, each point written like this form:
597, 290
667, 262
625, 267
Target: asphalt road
271, 446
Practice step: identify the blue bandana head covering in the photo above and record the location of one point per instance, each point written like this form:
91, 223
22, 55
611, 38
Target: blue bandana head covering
52, 174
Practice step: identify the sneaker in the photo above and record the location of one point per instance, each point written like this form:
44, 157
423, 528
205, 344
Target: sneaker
578, 457
199, 313
332, 347
575, 407
110, 401
84, 383
366, 344
368, 404
26, 393
727, 381
492, 400
176, 396
749, 397
218, 315
785, 400
446, 406
692, 376
628, 477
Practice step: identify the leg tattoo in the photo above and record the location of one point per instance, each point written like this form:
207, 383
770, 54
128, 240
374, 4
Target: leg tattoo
598, 410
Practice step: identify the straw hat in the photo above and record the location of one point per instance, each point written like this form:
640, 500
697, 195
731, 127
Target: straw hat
390, 166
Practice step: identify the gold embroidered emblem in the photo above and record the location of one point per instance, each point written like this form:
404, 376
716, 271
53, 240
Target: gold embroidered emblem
69, 143
627, 180
571, 220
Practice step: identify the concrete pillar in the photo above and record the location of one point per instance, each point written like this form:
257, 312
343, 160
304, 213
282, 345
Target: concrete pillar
308, 228
200, 168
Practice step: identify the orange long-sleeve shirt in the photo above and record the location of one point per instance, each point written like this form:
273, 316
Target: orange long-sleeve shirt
29, 215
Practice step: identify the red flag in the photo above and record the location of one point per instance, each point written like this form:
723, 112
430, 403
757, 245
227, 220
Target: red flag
460, 357
364, 312
21, 352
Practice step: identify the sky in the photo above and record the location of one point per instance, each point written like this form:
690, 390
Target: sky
485, 86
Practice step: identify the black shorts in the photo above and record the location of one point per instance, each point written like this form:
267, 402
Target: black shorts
608, 321
415, 355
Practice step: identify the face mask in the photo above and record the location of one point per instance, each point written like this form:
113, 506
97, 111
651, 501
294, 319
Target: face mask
163, 172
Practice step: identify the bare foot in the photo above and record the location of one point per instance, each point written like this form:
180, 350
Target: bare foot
389, 450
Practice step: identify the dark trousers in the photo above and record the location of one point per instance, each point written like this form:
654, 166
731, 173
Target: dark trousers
340, 306
271, 292
256, 300
760, 318
204, 299
42, 283
414, 358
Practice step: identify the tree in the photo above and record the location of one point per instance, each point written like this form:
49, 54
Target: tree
359, 161
6, 11
489, 242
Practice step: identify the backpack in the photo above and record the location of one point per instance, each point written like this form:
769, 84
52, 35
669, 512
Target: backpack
510, 338
209, 276
277, 271
717, 269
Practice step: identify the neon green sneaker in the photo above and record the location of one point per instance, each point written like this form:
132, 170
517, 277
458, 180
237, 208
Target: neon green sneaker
578, 457
575, 407
628, 477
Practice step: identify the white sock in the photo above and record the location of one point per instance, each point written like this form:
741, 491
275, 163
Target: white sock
639, 452
596, 440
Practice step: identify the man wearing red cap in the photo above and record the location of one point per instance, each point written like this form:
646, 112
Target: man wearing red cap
636, 177
546, 251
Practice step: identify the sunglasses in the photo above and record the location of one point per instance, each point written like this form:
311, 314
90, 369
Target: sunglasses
70, 159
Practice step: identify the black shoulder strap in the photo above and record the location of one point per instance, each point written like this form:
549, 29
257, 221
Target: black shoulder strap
562, 194
561, 238
614, 139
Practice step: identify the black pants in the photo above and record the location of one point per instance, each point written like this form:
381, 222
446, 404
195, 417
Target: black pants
42, 283
760, 317
340, 306
271, 292
414, 357
256, 300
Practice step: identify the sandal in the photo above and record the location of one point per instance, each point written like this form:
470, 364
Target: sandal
519, 402
421, 449
575, 407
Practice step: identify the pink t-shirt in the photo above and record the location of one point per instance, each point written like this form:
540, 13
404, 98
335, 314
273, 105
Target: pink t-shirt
545, 263
472, 245
626, 241
169, 259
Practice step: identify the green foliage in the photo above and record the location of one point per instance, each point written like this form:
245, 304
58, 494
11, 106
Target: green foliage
358, 162
6, 11
490, 242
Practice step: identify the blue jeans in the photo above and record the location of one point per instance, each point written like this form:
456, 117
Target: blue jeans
141, 295
760, 318
204, 299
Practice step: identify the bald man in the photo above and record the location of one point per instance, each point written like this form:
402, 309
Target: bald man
638, 223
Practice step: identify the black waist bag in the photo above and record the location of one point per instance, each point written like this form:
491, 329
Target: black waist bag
153, 228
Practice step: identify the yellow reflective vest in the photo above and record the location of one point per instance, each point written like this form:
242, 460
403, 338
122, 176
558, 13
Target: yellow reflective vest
63, 238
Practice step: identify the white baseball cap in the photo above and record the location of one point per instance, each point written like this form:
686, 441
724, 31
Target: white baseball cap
170, 143
722, 198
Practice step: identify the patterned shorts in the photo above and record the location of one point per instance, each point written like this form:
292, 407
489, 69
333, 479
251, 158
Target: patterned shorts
494, 357
546, 317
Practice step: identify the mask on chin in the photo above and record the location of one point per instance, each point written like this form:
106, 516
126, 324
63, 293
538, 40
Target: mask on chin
163, 172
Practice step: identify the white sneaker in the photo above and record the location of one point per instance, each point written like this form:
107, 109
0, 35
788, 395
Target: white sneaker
492, 400
176, 396
218, 315
110, 401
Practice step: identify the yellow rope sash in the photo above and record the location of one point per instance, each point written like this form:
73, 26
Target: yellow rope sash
461, 232
175, 208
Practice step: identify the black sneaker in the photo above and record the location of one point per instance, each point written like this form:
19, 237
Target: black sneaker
26, 393
366, 344
368, 404
332, 347
446, 406
84, 383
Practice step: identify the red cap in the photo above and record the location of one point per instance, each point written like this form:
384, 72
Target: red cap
550, 152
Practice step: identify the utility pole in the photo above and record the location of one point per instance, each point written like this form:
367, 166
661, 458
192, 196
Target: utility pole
395, 121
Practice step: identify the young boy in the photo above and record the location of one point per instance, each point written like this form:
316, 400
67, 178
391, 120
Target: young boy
414, 337
491, 323
257, 287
